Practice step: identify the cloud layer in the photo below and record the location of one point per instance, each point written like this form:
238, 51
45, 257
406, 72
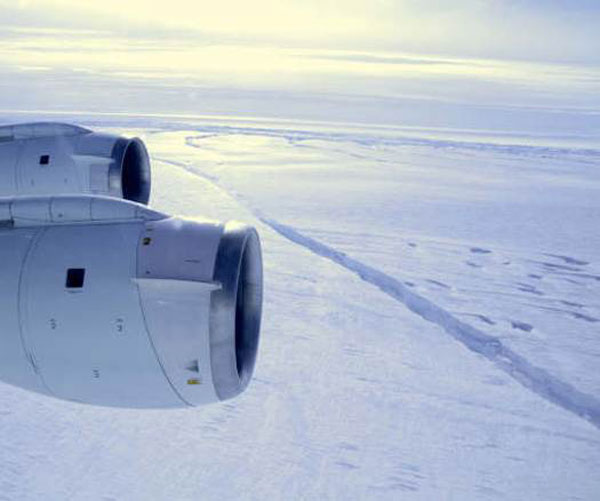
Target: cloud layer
554, 30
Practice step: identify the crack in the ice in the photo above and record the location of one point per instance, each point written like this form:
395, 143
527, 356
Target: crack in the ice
534, 378
298, 135
518, 367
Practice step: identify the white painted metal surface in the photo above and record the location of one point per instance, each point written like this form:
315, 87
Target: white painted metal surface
107, 302
46, 159
90, 343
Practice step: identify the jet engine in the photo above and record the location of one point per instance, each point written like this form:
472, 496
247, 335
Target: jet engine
57, 159
106, 301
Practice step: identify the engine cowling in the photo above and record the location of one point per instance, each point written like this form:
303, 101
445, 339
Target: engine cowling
56, 158
107, 302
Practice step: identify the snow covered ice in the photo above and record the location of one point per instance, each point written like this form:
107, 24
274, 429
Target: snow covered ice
431, 323
412, 344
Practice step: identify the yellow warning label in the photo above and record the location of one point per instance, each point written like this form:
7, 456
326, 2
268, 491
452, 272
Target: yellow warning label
194, 381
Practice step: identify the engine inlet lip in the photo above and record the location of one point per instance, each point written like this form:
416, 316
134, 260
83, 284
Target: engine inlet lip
129, 174
235, 310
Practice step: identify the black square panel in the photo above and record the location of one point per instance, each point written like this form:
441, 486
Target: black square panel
75, 277
44, 159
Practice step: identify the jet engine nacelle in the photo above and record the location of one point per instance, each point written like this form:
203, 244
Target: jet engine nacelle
108, 302
55, 159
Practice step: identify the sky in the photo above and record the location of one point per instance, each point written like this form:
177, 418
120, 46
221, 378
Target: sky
510, 66
550, 31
